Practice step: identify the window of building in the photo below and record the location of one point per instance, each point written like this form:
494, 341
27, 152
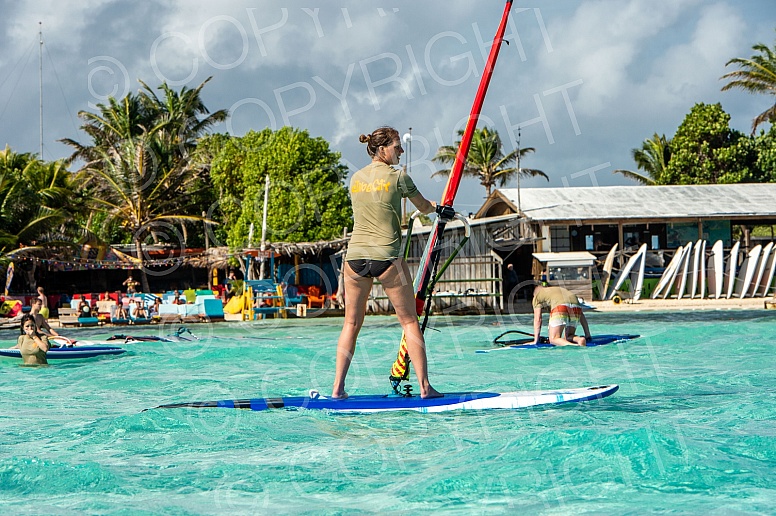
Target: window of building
560, 239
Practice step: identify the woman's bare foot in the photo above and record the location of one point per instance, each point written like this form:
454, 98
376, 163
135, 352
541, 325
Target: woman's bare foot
339, 396
431, 393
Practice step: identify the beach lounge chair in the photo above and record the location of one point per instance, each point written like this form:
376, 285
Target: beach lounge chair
190, 295
211, 309
168, 313
188, 313
114, 319
314, 297
137, 320
88, 321
68, 316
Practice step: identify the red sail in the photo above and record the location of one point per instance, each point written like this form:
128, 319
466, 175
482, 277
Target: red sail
430, 258
463, 150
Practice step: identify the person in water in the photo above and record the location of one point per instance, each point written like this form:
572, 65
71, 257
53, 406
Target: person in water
376, 192
565, 314
32, 344
42, 325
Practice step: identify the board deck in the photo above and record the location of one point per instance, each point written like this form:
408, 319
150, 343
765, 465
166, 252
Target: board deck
696, 269
770, 270
732, 268
637, 280
625, 271
702, 272
674, 279
716, 270
669, 273
607, 272
393, 402
748, 270
684, 271
764, 261
70, 353
527, 343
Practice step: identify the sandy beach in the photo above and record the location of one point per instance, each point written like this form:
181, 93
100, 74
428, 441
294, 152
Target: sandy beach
757, 303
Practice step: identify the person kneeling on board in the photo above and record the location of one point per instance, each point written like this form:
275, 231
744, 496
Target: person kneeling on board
32, 344
565, 314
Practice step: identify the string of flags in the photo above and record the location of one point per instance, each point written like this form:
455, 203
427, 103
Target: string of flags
87, 264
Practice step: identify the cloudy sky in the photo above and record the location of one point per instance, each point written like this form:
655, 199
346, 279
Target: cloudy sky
586, 81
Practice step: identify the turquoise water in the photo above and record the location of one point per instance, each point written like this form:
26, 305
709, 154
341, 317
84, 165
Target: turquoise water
691, 429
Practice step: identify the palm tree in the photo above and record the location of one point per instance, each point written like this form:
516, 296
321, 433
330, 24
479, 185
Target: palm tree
652, 158
137, 168
755, 75
486, 159
35, 199
182, 112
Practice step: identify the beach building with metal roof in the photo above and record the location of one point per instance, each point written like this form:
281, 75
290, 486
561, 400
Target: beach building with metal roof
664, 218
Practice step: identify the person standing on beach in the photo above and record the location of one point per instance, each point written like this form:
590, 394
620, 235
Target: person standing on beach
131, 285
32, 344
44, 311
376, 192
565, 314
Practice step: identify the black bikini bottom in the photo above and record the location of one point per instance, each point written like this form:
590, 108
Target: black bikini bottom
370, 268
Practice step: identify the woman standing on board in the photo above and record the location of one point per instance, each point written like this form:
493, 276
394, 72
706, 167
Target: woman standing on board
373, 252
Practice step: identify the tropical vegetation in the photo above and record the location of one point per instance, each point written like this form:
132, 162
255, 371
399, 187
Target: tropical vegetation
137, 169
705, 150
38, 202
756, 74
309, 199
652, 158
486, 160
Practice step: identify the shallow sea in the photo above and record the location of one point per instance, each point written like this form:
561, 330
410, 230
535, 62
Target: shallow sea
691, 430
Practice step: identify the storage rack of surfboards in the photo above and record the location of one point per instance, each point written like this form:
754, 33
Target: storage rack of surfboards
696, 271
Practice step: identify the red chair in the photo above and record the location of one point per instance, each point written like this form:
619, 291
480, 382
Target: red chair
314, 297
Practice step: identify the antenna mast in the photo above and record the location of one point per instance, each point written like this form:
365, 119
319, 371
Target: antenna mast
519, 208
40, 81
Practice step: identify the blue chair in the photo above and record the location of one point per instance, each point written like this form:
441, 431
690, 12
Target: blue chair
88, 321
115, 319
292, 296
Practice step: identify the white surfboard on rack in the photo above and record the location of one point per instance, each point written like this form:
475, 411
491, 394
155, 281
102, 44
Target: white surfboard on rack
702, 272
764, 259
684, 271
748, 270
677, 272
770, 269
716, 269
607, 272
669, 273
625, 271
732, 268
696, 267
639, 277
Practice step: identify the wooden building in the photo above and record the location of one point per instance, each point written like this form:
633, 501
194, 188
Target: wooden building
593, 219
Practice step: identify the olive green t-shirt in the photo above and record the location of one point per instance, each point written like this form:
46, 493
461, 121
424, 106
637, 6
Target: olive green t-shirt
376, 192
31, 353
550, 297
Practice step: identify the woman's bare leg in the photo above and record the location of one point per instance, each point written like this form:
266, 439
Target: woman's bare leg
397, 283
356, 294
